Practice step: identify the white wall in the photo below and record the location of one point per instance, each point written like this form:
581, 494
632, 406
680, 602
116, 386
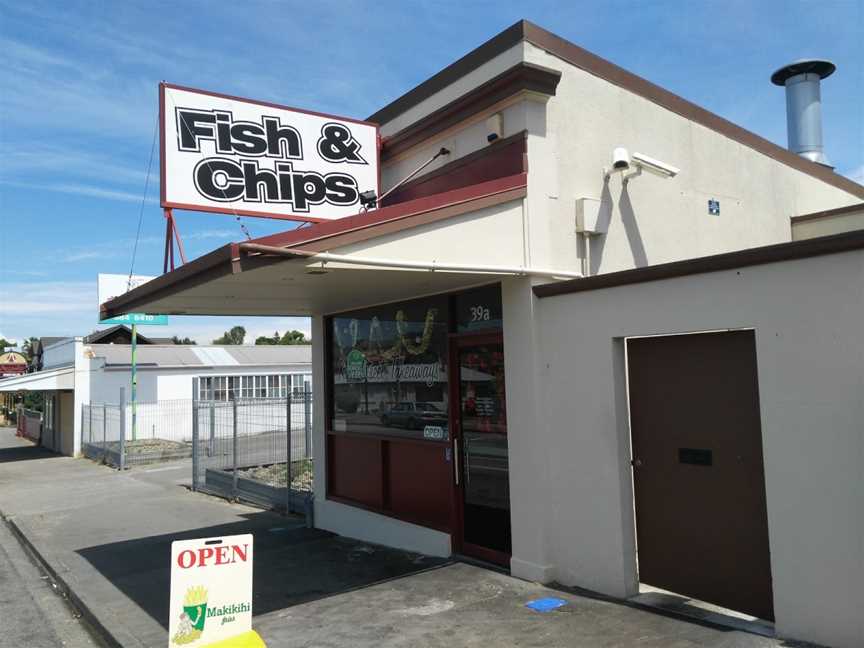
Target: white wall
59, 354
807, 317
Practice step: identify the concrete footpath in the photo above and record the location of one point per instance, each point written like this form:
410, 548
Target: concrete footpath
106, 537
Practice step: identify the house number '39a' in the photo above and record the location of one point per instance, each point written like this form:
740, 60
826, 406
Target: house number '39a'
479, 314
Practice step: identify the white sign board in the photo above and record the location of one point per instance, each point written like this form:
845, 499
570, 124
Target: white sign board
109, 286
211, 590
236, 156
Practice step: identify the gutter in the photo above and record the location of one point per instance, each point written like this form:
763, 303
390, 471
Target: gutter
429, 266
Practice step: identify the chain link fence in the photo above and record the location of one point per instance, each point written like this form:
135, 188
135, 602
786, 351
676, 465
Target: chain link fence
258, 450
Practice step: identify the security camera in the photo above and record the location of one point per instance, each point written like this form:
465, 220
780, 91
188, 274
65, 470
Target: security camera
620, 159
655, 166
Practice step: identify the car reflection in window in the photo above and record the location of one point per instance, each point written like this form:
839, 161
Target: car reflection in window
414, 416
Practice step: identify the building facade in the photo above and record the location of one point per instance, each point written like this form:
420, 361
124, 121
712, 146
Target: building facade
457, 412
75, 373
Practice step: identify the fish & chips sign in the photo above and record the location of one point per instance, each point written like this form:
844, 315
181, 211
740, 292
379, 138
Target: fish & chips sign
236, 156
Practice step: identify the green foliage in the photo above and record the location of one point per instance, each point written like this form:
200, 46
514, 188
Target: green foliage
184, 340
5, 344
29, 347
293, 337
290, 337
235, 336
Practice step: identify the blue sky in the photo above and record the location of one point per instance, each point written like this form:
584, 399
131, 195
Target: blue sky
79, 103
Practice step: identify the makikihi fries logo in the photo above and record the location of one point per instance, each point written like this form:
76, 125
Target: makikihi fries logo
192, 617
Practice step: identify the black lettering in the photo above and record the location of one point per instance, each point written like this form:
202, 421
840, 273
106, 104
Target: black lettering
248, 139
308, 188
341, 189
255, 177
285, 172
337, 144
282, 141
223, 132
219, 179
189, 130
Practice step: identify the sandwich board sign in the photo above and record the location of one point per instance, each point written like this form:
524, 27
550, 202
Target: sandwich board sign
109, 286
211, 591
234, 156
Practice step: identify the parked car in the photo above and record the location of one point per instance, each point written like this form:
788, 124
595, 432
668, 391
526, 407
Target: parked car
414, 416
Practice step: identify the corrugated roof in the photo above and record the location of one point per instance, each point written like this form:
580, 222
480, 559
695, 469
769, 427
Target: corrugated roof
203, 356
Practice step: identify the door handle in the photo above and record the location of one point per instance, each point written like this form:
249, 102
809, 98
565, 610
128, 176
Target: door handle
456, 459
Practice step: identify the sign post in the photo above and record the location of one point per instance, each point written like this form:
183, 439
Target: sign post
211, 593
113, 285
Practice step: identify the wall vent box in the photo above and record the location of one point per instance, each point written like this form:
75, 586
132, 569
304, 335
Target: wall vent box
588, 217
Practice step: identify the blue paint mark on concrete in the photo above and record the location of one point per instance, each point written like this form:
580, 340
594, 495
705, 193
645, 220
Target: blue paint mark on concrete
546, 604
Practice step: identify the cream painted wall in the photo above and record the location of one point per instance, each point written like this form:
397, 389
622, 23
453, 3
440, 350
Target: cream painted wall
653, 220
811, 378
828, 225
491, 236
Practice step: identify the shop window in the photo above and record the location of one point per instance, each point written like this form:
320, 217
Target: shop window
227, 388
389, 370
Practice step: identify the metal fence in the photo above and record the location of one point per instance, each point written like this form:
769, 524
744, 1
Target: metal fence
241, 450
29, 424
150, 432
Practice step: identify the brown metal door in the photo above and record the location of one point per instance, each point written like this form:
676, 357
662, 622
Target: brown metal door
702, 528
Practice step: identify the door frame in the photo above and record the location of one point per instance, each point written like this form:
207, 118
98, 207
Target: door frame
458, 341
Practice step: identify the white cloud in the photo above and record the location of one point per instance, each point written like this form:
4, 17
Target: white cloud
85, 190
28, 298
43, 159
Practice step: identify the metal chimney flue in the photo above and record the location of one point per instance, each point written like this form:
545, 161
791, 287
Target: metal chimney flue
804, 106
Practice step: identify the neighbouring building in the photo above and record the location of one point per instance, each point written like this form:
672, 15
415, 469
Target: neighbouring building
528, 357
12, 363
75, 373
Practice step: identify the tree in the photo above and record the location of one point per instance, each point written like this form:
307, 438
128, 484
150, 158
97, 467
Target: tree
5, 344
267, 340
184, 340
290, 337
293, 337
235, 336
29, 347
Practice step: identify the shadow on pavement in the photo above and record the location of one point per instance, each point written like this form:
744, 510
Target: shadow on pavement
292, 564
24, 453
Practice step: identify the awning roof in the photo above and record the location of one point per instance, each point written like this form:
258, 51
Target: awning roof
232, 280
50, 380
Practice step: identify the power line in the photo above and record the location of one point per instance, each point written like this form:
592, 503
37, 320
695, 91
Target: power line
143, 201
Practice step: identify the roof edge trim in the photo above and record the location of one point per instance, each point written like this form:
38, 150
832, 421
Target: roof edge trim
836, 243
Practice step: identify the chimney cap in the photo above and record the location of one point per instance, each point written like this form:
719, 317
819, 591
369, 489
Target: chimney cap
817, 66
